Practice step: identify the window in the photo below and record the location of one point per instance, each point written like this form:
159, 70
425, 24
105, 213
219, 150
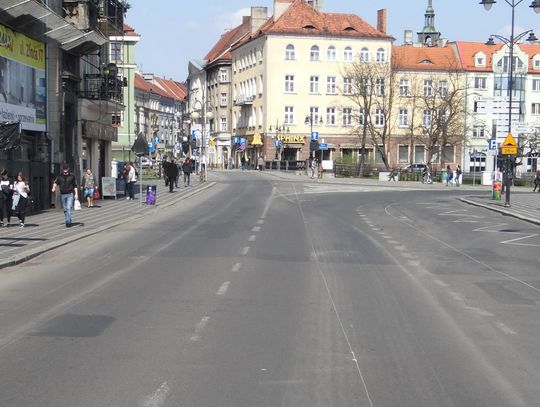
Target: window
223, 124
536, 85
347, 86
314, 113
331, 116
261, 84
116, 51
404, 87
116, 120
223, 99
223, 76
403, 118
348, 54
378, 155
379, 87
362, 117
289, 83
419, 154
426, 122
289, 52
314, 53
443, 89
478, 132
448, 154
331, 53
535, 108
537, 63
289, 115
347, 116
480, 83
313, 84
379, 117
331, 85
364, 55
504, 63
428, 87
381, 55
480, 61
364, 88
403, 154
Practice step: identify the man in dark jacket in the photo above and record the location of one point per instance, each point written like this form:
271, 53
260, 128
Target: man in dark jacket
186, 169
171, 172
68, 192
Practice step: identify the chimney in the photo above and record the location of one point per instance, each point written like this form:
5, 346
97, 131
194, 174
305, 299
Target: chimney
246, 20
442, 42
408, 37
381, 20
259, 15
280, 7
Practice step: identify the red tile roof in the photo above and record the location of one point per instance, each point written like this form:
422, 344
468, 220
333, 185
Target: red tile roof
302, 19
222, 49
129, 31
467, 51
174, 89
159, 86
425, 58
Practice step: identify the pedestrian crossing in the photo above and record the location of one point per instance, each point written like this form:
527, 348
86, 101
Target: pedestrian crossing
340, 188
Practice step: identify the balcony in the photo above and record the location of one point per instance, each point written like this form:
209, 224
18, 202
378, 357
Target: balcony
104, 94
242, 100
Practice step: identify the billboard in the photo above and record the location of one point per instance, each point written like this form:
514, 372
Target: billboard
22, 80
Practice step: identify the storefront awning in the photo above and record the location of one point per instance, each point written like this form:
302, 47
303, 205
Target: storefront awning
38, 21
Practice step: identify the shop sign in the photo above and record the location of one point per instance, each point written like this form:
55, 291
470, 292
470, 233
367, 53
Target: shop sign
291, 139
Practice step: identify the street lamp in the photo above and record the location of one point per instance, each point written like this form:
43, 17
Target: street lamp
311, 119
279, 143
511, 42
207, 115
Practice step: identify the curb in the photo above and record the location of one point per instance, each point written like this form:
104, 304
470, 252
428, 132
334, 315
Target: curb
31, 253
500, 210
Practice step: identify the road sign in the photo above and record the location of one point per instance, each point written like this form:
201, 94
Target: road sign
509, 145
323, 146
314, 135
196, 133
492, 144
522, 127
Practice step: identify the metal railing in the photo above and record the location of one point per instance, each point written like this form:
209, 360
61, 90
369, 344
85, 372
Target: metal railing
99, 88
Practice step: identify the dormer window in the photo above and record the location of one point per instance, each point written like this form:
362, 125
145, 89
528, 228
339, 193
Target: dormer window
426, 62
349, 29
536, 62
309, 27
480, 60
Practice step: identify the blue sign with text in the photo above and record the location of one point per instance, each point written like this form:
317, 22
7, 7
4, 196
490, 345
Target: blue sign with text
323, 146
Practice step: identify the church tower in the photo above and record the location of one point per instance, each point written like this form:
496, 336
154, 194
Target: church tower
429, 35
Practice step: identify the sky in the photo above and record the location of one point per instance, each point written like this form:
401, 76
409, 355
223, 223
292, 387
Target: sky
173, 32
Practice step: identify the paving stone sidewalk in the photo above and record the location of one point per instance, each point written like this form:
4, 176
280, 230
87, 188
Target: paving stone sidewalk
46, 230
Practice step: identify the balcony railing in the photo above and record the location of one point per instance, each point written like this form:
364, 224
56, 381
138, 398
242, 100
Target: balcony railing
244, 100
98, 87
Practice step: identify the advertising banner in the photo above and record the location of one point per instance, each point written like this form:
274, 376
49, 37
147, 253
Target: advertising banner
22, 80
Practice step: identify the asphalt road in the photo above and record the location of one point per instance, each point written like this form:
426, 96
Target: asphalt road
266, 292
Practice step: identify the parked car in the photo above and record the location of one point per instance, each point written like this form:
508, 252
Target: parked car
416, 167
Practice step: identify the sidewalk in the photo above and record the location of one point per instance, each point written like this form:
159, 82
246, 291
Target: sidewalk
46, 230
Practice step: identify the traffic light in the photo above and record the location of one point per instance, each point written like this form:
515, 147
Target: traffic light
185, 147
193, 143
314, 145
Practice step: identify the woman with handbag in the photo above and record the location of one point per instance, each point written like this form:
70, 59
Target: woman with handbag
20, 198
89, 184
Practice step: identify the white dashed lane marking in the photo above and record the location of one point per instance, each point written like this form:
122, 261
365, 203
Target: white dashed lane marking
256, 229
199, 328
157, 399
244, 251
236, 267
223, 289
252, 238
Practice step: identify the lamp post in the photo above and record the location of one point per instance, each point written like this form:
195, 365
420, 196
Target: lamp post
511, 42
311, 119
277, 142
206, 115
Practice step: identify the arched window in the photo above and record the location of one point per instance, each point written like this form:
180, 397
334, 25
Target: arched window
314, 53
331, 53
347, 54
289, 52
364, 55
381, 55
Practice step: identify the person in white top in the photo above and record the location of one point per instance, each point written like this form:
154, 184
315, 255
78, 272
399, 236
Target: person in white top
20, 197
130, 181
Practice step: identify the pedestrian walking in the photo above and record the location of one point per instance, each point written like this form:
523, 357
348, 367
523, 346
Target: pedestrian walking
68, 192
178, 170
537, 181
313, 166
260, 163
449, 175
171, 171
6, 197
131, 179
458, 175
89, 184
20, 197
243, 163
186, 169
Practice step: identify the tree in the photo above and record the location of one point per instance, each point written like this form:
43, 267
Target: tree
369, 93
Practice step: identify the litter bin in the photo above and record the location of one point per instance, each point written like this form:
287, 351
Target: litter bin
497, 188
443, 175
151, 192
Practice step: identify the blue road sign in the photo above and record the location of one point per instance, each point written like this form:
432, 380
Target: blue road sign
236, 140
314, 135
243, 141
277, 143
323, 146
492, 144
